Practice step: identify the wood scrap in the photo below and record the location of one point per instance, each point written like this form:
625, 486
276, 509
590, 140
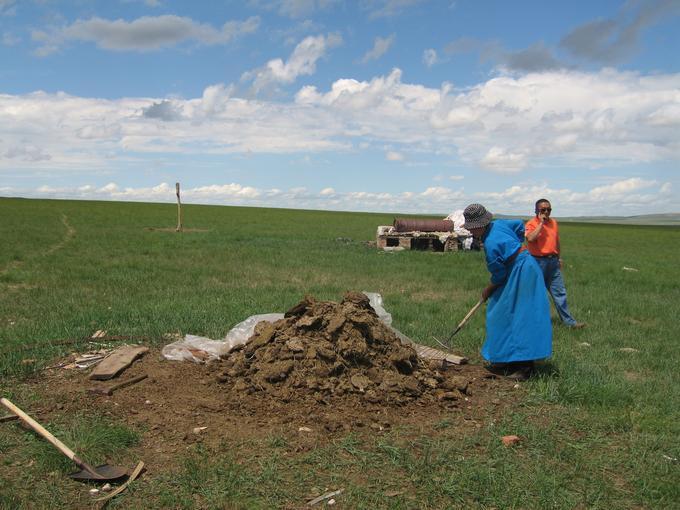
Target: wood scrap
324, 496
430, 353
117, 361
9, 417
110, 389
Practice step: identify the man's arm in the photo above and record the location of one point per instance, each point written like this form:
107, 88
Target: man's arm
533, 234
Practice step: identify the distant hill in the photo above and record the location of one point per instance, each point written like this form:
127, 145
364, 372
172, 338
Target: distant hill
672, 219
669, 219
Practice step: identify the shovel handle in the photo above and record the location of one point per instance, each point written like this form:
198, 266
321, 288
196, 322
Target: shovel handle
41, 430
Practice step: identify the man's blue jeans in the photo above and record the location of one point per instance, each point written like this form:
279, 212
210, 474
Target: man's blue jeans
550, 266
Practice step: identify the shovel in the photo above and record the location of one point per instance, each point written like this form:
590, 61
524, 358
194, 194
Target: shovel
87, 472
465, 319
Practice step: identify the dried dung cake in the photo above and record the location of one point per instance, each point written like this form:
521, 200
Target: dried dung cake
330, 349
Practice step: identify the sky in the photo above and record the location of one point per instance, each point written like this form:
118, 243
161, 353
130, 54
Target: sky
404, 106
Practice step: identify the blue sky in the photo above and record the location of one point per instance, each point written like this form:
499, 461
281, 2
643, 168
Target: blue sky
368, 105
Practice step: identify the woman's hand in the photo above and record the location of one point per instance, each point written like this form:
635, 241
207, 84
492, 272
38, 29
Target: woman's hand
488, 290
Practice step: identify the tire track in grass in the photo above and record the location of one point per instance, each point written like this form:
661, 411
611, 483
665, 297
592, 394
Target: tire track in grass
68, 235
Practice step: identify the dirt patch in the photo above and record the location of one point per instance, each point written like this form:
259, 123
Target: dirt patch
324, 370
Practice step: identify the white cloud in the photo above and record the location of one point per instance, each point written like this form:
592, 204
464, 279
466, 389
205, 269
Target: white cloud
430, 57
301, 62
7, 8
503, 161
9, 39
380, 47
394, 156
294, 8
142, 34
506, 124
388, 8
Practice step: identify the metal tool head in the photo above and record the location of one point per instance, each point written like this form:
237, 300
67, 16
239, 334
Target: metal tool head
103, 472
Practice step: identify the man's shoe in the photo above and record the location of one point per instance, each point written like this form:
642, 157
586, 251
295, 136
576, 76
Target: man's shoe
578, 325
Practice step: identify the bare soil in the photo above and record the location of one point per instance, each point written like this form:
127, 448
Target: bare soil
324, 370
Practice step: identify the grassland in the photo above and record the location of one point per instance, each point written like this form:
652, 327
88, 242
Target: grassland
601, 425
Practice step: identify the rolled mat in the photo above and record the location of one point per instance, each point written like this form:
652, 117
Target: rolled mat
420, 225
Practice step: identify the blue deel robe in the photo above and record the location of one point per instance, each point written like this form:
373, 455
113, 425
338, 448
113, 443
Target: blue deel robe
518, 324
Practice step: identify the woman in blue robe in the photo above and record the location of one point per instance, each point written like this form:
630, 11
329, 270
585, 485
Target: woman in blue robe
518, 328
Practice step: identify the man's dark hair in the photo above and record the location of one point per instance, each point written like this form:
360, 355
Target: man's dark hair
538, 202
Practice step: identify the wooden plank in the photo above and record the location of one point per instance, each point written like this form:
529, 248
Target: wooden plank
117, 361
9, 417
435, 354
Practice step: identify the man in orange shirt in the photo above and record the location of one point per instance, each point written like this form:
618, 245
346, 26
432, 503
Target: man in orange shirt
543, 241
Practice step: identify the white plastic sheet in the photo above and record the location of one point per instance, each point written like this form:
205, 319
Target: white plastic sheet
200, 349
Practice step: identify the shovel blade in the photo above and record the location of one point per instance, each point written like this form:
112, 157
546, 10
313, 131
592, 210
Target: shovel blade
103, 472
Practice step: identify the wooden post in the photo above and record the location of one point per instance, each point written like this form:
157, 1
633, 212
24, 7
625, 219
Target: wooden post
179, 209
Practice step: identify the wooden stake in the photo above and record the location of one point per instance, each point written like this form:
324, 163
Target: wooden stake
179, 209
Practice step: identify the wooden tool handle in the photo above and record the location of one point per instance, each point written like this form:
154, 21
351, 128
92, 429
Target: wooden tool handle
469, 314
40, 430
123, 384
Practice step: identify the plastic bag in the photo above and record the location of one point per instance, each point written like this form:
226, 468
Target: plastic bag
200, 349
376, 302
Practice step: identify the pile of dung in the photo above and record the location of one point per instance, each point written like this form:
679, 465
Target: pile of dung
330, 349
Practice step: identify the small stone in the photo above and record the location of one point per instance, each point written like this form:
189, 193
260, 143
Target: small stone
331, 502
106, 487
94, 492
147, 402
584, 344
304, 429
198, 430
510, 440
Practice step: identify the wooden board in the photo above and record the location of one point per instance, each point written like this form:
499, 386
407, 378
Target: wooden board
117, 361
435, 354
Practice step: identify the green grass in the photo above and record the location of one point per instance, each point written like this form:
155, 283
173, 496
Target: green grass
598, 424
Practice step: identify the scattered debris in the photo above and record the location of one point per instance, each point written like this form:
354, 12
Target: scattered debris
630, 269
304, 429
669, 458
198, 430
100, 333
510, 440
110, 389
327, 495
628, 350
139, 468
331, 502
9, 417
584, 344
445, 358
117, 361
89, 360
